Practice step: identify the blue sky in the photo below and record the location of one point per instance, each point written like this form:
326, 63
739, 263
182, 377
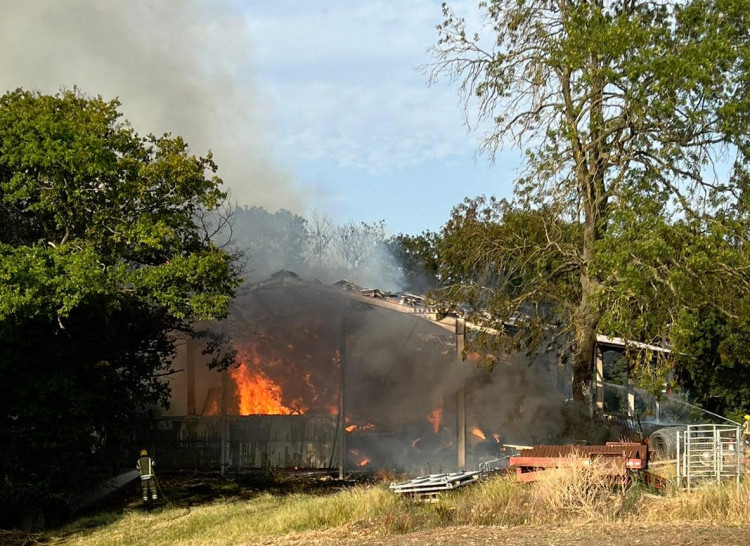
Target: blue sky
364, 135
306, 105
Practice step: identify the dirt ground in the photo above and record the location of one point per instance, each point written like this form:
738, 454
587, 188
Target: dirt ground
608, 534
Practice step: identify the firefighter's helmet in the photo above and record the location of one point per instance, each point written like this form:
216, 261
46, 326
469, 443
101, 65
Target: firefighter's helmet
747, 417
144, 453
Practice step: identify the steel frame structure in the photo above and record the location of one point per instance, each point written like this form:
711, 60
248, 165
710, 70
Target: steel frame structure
709, 454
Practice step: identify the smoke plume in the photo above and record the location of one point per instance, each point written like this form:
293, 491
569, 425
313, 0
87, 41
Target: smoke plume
402, 377
177, 66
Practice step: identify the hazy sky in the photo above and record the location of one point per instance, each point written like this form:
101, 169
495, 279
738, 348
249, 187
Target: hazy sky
306, 105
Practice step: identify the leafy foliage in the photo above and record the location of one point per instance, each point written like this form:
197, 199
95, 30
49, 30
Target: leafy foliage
102, 256
508, 266
623, 109
314, 248
271, 241
418, 260
663, 281
714, 366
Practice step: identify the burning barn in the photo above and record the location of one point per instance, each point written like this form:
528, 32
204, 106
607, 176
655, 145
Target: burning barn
335, 376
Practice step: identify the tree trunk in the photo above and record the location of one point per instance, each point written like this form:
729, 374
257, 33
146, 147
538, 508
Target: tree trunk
587, 315
590, 170
583, 359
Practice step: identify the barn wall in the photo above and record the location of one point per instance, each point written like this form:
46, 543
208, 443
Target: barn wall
253, 442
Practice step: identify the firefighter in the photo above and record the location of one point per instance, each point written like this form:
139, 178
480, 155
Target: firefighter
746, 442
145, 466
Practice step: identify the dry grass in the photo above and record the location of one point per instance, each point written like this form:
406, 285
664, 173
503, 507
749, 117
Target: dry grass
569, 495
722, 504
563, 495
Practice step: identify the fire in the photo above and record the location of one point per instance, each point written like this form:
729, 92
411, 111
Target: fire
258, 394
213, 409
436, 418
364, 462
478, 433
279, 377
354, 426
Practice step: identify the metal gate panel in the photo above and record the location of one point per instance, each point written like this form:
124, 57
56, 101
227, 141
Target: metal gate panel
708, 454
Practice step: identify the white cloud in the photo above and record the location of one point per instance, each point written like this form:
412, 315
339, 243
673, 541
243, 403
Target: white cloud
345, 86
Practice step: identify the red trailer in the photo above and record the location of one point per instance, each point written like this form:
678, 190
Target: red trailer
617, 457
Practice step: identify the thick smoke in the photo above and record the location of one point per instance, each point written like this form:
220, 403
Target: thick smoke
177, 66
400, 370
314, 248
186, 67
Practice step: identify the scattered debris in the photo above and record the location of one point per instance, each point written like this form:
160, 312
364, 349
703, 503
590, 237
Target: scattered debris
428, 488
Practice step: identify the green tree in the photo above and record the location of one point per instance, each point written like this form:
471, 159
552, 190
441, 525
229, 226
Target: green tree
663, 280
270, 241
514, 263
715, 368
102, 258
416, 257
622, 109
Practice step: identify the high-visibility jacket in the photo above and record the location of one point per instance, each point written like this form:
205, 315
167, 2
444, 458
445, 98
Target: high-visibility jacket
145, 466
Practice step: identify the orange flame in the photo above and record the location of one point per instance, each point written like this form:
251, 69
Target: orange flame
291, 380
364, 462
436, 418
354, 426
257, 393
478, 433
213, 409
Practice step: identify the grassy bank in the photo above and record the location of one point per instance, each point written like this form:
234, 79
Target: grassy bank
574, 496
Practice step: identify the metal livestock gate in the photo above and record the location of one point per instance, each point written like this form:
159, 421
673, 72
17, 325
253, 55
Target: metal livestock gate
709, 454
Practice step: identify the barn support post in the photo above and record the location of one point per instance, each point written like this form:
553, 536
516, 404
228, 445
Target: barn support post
190, 366
630, 395
461, 396
223, 423
342, 390
599, 380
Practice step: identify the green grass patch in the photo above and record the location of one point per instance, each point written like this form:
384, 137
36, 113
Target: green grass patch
568, 496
